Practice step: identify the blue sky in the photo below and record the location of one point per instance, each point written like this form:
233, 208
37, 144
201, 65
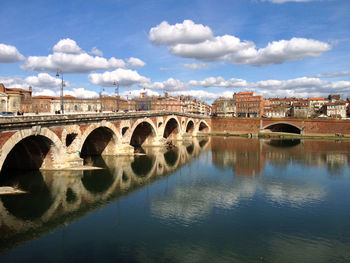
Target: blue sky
203, 48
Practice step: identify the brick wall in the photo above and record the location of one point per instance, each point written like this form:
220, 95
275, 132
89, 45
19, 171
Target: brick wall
235, 125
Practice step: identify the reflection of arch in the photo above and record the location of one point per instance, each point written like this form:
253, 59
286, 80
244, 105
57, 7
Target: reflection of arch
32, 149
171, 157
69, 195
283, 127
100, 139
143, 133
190, 149
171, 128
32, 205
203, 143
99, 181
143, 165
283, 143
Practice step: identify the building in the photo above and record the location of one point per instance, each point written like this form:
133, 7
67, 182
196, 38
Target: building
315, 106
42, 104
15, 100
248, 104
224, 107
335, 109
300, 109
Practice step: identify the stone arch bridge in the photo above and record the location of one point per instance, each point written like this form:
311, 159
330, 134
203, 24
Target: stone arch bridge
58, 141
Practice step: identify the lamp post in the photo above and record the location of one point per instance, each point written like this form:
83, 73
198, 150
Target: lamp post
116, 84
101, 104
62, 85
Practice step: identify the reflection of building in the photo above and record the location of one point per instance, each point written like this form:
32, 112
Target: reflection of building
248, 156
242, 154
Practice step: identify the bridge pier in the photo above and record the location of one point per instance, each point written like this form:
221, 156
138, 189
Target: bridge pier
124, 149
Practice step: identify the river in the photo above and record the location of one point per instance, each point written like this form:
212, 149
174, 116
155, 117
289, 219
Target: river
212, 199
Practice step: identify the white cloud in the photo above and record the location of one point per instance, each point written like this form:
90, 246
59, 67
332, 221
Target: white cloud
135, 62
81, 93
67, 46
185, 42
168, 85
124, 77
185, 32
96, 52
278, 52
9, 54
201, 94
70, 58
76, 92
333, 74
195, 66
137, 93
46, 92
219, 82
15, 82
44, 80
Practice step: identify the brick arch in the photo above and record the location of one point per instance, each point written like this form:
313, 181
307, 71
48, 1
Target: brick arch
162, 127
56, 147
111, 146
187, 123
130, 132
199, 124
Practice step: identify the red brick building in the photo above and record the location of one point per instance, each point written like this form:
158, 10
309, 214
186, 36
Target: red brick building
248, 104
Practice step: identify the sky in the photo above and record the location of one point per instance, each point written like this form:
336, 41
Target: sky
204, 48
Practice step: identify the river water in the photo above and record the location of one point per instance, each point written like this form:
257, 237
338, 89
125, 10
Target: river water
210, 200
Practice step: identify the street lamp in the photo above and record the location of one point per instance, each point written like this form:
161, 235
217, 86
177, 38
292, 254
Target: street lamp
116, 84
62, 85
101, 99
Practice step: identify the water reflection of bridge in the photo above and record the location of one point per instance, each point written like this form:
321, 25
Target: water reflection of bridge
58, 197
247, 157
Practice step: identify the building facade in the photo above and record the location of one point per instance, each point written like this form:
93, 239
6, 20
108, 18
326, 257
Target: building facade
248, 104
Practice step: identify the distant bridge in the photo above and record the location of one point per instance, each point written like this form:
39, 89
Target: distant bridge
58, 141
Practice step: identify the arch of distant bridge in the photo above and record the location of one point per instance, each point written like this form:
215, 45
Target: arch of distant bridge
285, 126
